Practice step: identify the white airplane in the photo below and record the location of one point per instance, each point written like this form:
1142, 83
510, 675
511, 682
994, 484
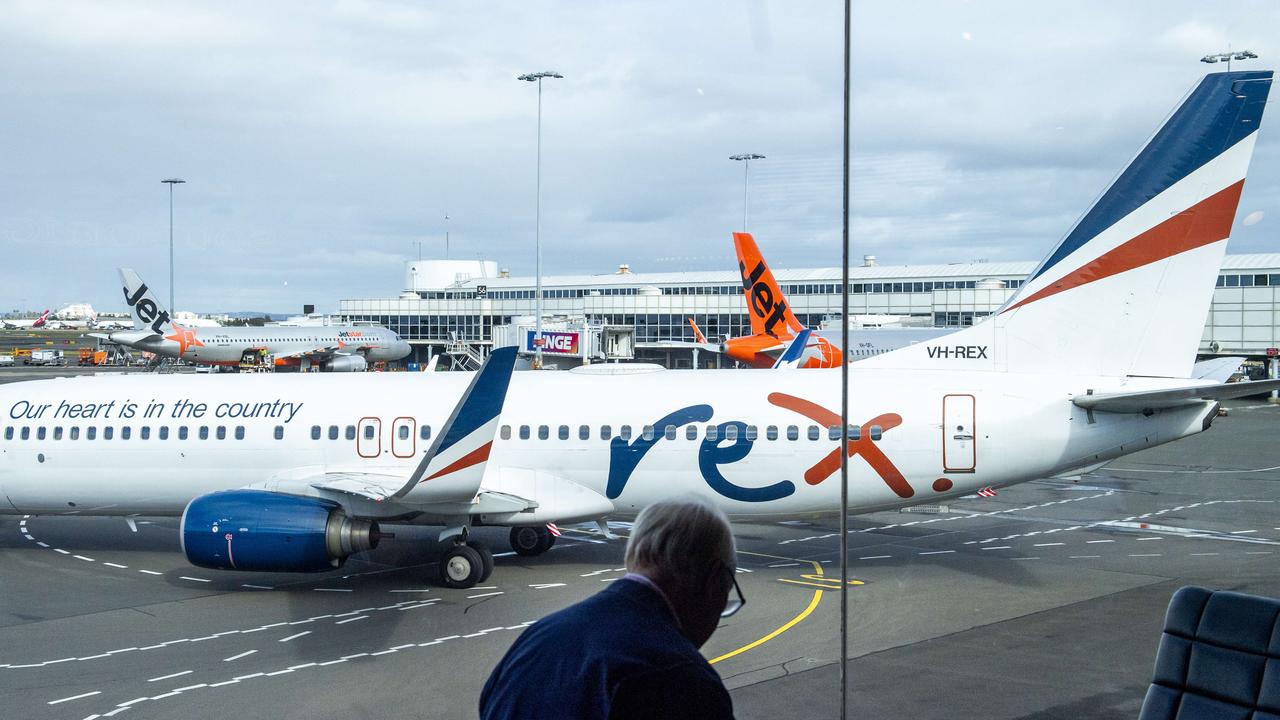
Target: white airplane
1088, 362
335, 348
27, 323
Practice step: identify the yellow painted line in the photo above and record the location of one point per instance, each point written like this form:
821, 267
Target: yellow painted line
817, 595
824, 584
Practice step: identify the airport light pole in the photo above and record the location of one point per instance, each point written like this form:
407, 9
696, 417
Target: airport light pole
1228, 56
745, 159
844, 381
537, 293
171, 182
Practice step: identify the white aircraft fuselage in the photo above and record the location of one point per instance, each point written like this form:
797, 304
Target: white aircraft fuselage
943, 435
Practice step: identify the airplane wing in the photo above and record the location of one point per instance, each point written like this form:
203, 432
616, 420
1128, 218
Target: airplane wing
1143, 401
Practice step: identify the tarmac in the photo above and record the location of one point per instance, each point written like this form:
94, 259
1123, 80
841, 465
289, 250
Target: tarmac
1045, 601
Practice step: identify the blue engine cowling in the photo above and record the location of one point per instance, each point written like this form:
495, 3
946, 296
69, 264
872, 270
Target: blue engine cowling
269, 532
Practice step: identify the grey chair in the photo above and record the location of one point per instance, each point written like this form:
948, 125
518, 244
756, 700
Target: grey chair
1219, 658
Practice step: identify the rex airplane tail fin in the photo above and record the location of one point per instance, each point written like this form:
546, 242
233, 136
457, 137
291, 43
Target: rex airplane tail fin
1126, 292
766, 305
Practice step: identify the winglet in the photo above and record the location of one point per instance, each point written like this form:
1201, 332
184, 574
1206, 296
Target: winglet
454, 466
697, 333
793, 356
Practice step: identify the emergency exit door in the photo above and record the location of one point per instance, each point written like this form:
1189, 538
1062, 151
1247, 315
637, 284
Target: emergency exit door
959, 437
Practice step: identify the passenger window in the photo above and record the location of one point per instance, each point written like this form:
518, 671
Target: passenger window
584, 432
504, 432
91, 433
368, 432
713, 433
793, 432
691, 432
670, 434
350, 432
424, 432
605, 432
833, 432
647, 432
771, 432
239, 432
730, 432
8, 433
544, 432
75, 433
40, 433
876, 433
26, 433
403, 432
108, 432
204, 432
279, 432
333, 432
183, 434
524, 432
144, 432
315, 432
752, 432
855, 432
125, 432
164, 432
815, 432
57, 433
564, 432
624, 432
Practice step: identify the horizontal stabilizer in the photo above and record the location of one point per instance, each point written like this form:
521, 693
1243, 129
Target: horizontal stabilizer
1150, 400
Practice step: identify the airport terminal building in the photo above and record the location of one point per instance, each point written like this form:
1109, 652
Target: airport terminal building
464, 307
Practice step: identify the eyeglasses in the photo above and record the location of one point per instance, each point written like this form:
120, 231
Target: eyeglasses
733, 604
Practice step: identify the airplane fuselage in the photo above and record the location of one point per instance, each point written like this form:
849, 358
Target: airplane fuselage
226, 345
923, 437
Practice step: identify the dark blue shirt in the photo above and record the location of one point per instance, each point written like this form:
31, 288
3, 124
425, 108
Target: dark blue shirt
618, 654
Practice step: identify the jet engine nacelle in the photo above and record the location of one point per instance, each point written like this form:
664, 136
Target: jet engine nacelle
264, 531
346, 363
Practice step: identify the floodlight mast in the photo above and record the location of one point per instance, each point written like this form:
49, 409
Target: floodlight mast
537, 296
745, 159
171, 182
1228, 56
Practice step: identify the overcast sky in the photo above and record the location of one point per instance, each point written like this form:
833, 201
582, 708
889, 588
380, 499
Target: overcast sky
322, 142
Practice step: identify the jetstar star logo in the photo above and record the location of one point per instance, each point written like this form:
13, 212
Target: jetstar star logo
185, 337
863, 445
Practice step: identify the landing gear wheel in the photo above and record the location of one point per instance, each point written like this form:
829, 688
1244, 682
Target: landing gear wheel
529, 541
461, 567
486, 557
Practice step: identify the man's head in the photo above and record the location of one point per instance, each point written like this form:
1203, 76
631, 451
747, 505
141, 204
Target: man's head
684, 545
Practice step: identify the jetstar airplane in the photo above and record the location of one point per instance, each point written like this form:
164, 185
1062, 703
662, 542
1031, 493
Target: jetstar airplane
335, 348
774, 325
1088, 362
23, 324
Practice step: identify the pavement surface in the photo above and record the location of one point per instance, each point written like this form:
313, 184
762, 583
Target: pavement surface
1045, 601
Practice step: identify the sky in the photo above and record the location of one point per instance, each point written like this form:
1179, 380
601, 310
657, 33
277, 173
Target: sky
324, 144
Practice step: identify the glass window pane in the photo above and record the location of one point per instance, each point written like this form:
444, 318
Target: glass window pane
505, 432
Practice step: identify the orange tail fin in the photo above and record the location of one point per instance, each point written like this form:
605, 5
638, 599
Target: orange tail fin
767, 306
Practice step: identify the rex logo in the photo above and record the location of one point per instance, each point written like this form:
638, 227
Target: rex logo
147, 310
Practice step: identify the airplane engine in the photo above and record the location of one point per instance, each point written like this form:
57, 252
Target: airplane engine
269, 532
346, 363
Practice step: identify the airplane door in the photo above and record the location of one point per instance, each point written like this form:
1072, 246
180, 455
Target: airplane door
959, 437
403, 437
369, 437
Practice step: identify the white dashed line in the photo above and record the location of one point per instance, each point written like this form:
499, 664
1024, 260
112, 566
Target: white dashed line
116, 565
171, 676
409, 591
996, 547
75, 697
353, 619
193, 579
482, 595
1243, 532
1095, 542
935, 552
295, 637
545, 586
1144, 554
1048, 544
332, 589
150, 572
875, 557
257, 587
1084, 557
60, 550
246, 653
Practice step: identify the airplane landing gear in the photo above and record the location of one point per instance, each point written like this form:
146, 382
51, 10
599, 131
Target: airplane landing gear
529, 541
466, 565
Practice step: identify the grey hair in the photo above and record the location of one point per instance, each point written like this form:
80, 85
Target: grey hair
681, 536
